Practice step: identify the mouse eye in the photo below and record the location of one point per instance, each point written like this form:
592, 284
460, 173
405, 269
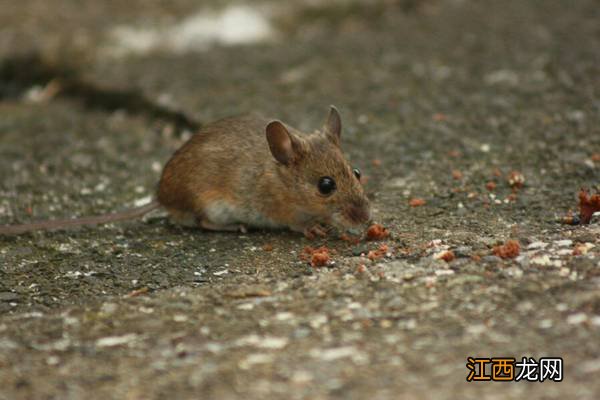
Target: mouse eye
356, 173
326, 185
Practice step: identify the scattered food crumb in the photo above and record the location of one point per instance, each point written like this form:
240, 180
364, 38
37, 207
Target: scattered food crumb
416, 202
595, 157
319, 257
376, 162
582, 248
516, 180
446, 255
456, 174
588, 205
510, 249
379, 253
377, 232
267, 247
491, 186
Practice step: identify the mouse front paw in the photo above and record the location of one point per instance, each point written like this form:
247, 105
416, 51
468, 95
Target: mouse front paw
314, 231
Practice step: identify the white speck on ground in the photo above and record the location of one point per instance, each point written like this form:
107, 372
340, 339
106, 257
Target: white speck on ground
234, 25
266, 342
111, 341
576, 319
142, 201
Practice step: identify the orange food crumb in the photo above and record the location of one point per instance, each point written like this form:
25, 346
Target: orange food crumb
580, 249
319, 257
454, 153
267, 247
588, 205
510, 249
497, 172
376, 162
377, 232
361, 269
596, 157
456, 174
379, 253
439, 117
516, 180
491, 186
448, 256
416, 202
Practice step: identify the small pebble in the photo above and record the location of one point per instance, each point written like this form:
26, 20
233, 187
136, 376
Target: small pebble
576, 319
8, 296
491, 259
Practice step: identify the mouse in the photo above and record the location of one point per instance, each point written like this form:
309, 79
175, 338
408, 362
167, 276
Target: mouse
250, 172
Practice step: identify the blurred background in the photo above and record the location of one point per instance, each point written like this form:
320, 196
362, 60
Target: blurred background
443, 101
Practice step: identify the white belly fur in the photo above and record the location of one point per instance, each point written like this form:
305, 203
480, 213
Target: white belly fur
224, 214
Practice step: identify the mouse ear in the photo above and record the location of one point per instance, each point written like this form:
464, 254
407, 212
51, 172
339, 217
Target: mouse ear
333, 126
284, 145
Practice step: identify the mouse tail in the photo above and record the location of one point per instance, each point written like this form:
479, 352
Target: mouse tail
63, 224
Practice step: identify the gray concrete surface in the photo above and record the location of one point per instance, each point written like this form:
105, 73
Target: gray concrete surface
145, 310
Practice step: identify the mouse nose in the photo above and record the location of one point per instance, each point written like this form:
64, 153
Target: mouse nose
359, 211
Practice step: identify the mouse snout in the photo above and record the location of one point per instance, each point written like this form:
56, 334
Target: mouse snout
358, 212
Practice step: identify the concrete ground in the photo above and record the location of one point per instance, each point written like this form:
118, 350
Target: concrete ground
442, 100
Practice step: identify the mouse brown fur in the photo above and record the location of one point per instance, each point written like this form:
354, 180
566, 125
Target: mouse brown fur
253, 172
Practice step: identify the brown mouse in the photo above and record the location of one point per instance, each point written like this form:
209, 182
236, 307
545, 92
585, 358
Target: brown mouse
250, 172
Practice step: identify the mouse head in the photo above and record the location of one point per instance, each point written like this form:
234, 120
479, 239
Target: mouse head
326, 187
